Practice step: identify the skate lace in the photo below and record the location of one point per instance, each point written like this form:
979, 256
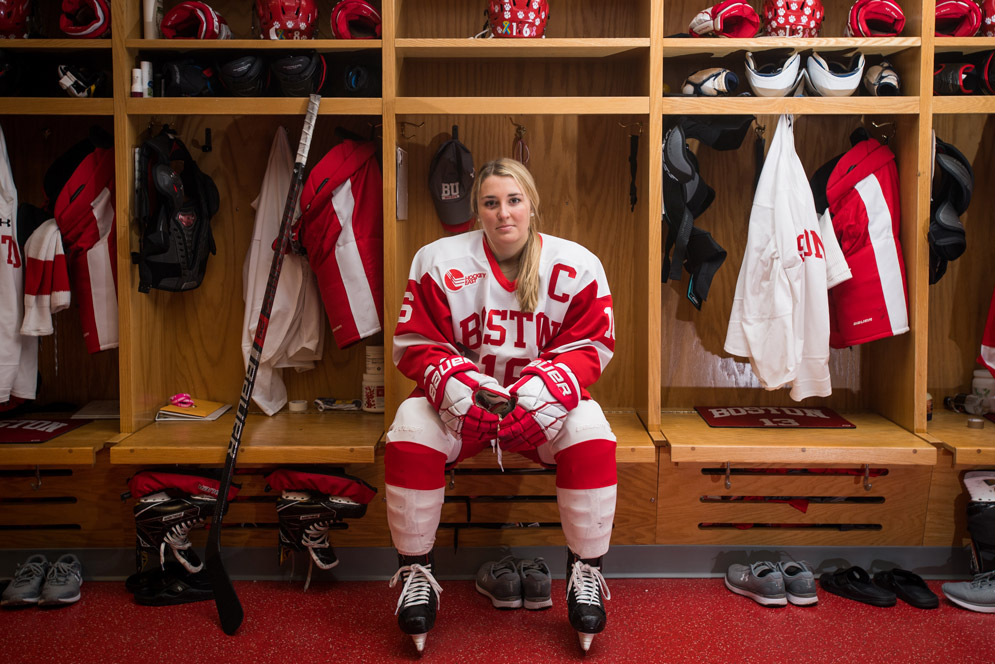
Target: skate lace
27, 572
316, 536
178, 540
418, 586
587, 583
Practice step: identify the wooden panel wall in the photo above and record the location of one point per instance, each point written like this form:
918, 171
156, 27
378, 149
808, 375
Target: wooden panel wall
192, 340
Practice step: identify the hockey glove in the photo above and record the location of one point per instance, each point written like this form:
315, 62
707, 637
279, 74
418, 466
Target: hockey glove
729, 18
545, 393
453, 387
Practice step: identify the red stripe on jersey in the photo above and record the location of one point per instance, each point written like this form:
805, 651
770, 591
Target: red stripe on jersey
587, 465
414, 466
589, 319
428, 317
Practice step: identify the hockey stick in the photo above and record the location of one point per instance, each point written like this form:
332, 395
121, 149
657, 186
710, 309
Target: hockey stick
229, 607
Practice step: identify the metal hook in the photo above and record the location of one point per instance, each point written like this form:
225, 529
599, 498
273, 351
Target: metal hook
760, 129
404, 123
886, 137
625, 125
452, 478
728, 475
867, 477
36, 485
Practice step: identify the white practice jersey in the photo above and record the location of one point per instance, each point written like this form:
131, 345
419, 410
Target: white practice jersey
18, 353
780, 313
294, 338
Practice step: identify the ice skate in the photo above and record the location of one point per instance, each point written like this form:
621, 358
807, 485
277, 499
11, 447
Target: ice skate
419, 598
585, 604
165, 519
304, 521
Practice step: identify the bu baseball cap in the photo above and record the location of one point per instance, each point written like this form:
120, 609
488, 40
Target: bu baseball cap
450, 179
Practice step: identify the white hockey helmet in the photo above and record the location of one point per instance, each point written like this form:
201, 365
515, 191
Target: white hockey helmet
834, 77
777, 78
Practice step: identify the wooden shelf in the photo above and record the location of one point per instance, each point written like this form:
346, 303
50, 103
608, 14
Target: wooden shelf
78, 447
55, 106
677, 47
971, 447
251, 106
874, 440
283, 438
796, 105
963, 44
522, 105
57, 44
517, 48
253, 44
955, 104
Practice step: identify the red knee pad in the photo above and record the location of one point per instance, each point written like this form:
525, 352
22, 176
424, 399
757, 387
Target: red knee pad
587, 465
414, 466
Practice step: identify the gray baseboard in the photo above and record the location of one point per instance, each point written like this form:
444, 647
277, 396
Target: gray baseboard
646, 561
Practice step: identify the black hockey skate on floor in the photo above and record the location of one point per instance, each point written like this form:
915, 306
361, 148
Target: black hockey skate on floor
585, 604
416, 607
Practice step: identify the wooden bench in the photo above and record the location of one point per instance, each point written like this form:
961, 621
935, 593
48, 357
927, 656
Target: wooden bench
771, 487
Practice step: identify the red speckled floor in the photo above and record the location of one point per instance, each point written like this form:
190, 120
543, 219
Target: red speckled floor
649, 620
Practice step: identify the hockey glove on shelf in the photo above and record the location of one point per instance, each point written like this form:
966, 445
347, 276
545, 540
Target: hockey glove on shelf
453, 387
545, 393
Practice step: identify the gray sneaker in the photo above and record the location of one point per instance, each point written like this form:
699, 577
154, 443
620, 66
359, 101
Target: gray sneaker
536, 583
978, 594
500, 582
760, 582
62, 582
25, 589
799, 582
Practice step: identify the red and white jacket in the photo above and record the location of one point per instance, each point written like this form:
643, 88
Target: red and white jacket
458, 302
341, 228
84, 211
46, 280
864, 202
987, 355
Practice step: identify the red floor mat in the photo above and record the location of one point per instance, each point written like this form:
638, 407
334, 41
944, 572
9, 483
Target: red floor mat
649, 620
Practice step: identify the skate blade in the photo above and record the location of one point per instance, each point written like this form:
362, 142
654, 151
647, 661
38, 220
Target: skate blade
419, 640
585, 640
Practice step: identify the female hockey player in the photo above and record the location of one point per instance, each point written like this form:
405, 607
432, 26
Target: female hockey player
508, 320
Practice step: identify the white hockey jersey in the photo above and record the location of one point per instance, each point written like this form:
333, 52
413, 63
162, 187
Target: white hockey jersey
780, 313
458, 302
295, 336
18, 353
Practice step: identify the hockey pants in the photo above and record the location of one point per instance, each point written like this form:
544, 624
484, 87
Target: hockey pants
420, 447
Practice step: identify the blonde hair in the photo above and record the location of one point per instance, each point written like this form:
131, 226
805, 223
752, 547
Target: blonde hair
527, 283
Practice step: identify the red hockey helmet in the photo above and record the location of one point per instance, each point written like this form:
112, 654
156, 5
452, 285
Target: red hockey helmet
875, 18
793, 18
517, 18
194, 20
957, 18
86, 19
14, 15
355, 19
286, 19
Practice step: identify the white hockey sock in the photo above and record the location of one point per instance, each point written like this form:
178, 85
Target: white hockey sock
587, 516
413, 516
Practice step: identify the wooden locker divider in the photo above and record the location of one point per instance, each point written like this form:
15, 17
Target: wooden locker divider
601, 74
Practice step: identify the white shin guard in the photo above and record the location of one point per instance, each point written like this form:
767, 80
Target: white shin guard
413, 516
587, 516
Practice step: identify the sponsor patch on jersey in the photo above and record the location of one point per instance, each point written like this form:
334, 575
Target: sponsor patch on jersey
455, 279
